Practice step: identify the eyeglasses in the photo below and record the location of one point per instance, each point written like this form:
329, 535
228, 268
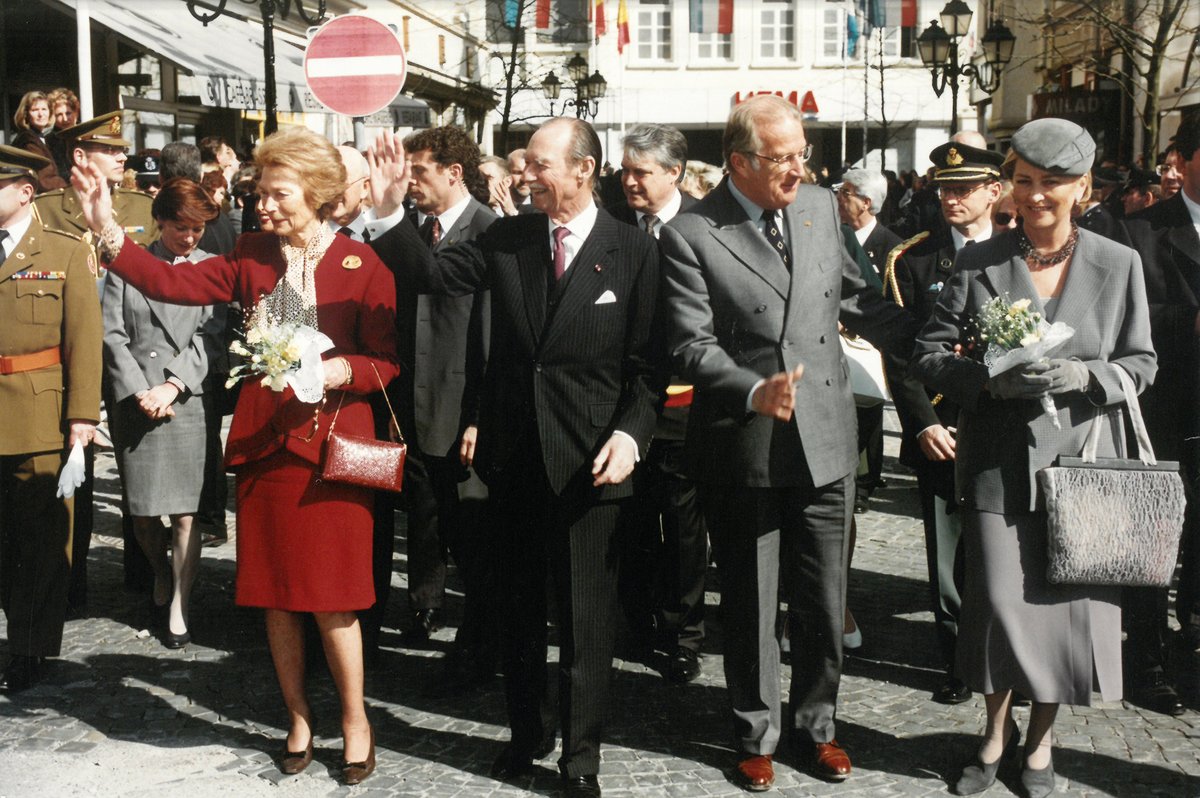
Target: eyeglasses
1164, 168
958, 192
847, 192
782, 160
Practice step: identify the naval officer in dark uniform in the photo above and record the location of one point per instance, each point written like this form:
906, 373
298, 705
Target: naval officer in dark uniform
968, 185
50, 391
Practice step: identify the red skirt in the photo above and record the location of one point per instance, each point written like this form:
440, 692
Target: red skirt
302, 545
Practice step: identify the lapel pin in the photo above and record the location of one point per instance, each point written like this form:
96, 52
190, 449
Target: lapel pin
598, 268
351, 262
808, 222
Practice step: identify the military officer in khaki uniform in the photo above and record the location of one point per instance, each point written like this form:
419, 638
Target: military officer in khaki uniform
50, 343
99, 141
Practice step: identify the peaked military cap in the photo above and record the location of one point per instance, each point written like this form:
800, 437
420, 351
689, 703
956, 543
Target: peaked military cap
1107, 176
961, 163
1055, 145
1142, 178
16, 162
105, 129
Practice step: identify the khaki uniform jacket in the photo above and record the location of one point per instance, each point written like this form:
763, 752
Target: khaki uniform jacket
60, 210
58, 307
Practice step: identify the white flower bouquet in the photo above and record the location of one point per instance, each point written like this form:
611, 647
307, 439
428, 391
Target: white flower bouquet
1015, 336
284, 353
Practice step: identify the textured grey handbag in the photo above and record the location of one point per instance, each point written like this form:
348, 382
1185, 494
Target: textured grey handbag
1113, 521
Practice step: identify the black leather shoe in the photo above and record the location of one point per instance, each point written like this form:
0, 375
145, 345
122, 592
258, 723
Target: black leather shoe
684, 666
21, 674
172, 640
424, 624
581, 787
952, 691
1158, 695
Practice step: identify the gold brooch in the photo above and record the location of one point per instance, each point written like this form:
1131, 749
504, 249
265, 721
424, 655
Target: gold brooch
352, 262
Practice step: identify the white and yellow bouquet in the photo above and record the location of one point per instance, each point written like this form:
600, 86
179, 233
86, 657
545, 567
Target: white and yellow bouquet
1016, 335
284, 353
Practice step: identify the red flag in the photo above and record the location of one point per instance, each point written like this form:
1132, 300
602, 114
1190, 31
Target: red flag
908, 13
601, 24
543, 15
725, 17
622, 26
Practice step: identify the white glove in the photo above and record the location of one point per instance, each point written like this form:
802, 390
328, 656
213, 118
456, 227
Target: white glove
73, 472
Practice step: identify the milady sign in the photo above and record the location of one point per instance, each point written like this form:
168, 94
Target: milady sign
1080, 105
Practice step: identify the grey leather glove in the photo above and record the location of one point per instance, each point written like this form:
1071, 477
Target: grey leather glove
1059, 375
1014, 384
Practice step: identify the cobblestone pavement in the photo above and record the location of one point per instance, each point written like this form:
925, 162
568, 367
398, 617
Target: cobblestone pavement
121, 715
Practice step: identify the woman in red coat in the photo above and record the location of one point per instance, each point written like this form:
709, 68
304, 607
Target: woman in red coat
303, 545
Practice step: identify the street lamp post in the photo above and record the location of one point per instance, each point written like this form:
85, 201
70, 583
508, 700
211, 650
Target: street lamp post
939, 44
588, 90
269, 9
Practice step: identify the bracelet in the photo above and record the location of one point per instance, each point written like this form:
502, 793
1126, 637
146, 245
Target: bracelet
349, 371
110, 241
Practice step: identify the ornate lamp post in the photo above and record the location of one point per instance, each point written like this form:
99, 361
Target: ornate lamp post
938, 46
588, 90
269, 8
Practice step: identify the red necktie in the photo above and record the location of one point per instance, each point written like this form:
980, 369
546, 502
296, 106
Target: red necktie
435, 232
560, 252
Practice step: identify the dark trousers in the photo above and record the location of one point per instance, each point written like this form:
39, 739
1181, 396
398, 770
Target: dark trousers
870, 441
35, 553
761, 536
942, 521
665, 550
430, 495
569, 543
81, 531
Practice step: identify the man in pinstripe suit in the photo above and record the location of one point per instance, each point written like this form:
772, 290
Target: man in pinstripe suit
566, 410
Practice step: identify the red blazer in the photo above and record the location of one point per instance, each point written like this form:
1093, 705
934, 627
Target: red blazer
356, 308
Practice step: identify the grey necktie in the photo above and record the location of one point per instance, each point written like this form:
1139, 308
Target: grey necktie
650, 223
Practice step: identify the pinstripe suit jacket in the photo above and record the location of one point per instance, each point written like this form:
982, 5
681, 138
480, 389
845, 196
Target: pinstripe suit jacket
561, 369
1002, 444
738, 315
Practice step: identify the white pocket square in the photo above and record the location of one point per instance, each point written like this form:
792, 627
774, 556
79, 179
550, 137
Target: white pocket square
606, 297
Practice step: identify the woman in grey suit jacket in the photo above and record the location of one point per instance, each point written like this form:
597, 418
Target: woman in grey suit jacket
1018, 631
157, 357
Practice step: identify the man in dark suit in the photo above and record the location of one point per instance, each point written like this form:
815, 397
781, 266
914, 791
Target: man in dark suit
1167, 238
445, 164
567, 408
968, 185
757, 277
665, 552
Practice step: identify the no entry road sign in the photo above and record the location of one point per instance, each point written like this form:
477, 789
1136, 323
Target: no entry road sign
355, 65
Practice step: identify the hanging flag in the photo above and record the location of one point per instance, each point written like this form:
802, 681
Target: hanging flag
512, 13
852, 34
908, 13
711, 16
622, 26
872, 14
601, 23
543, 15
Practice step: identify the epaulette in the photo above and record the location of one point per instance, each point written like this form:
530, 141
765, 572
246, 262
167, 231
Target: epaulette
889, 272
54, 192
73, 236
132, 192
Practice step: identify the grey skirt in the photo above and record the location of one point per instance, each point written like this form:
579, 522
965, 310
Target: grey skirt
1053, 643
162, 462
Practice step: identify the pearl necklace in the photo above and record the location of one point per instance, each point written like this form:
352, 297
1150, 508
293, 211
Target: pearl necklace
1037, 261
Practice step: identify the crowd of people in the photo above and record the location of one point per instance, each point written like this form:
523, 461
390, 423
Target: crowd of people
599, 374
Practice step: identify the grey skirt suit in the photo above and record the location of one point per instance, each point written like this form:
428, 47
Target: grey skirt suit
1053, 643
145, 342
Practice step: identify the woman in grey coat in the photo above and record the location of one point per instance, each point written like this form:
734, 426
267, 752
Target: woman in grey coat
157, 358
1018, 631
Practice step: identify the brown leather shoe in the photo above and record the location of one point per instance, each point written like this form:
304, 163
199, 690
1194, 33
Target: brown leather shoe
294, 762
355, 772
830, 762
755, 773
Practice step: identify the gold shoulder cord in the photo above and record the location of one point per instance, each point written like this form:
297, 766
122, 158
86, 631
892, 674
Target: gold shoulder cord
889, 279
